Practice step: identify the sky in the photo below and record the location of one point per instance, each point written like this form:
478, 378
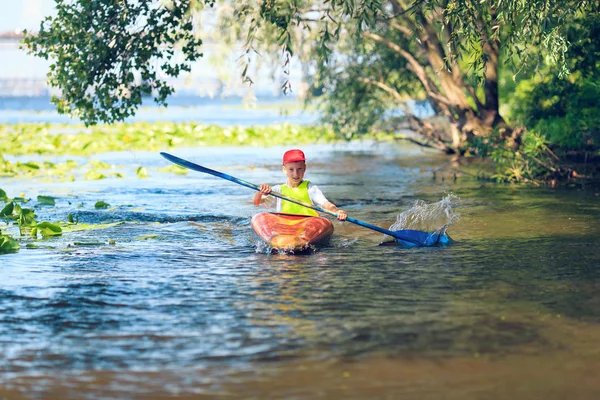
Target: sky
23, 14
19, 15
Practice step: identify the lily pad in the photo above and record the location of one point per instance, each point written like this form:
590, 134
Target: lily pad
142, 172
101, 204
8, 245
47, 229
7, 211
46, 200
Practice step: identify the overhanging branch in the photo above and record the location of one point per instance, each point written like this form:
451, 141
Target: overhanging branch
414, 65
382, 86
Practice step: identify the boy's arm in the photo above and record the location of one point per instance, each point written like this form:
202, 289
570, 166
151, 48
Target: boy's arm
317, 197
341, 214
259, 197
263, 197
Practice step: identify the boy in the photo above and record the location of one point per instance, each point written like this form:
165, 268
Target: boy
297, 188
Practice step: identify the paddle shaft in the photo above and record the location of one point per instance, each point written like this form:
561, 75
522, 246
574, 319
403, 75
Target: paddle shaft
200, 168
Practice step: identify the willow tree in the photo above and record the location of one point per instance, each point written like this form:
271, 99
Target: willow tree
366, 57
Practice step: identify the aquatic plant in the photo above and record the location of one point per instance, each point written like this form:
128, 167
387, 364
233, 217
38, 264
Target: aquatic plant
64, 139
25, 219
8, 244
76, 140
101, 205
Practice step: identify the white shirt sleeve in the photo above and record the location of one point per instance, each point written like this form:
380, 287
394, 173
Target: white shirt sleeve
316, 196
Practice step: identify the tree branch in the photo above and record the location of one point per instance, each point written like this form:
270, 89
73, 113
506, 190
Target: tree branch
401, 28
382, 86
414, 66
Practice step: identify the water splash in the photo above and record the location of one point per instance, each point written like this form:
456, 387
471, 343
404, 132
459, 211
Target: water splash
261, 247
428, 217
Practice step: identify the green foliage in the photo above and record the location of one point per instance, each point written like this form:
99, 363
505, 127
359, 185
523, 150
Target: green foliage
533, 162
8, 244
101, 205
62, 170
7, 211
47, 229
72, 220
25, 220
142, 172
94, 175
176, 169
61, 139
25, 217
530, 31
76, 140
108, 55
566, 111
46, 200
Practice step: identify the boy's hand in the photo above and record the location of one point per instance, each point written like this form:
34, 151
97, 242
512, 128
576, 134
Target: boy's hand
265, 189
341, 215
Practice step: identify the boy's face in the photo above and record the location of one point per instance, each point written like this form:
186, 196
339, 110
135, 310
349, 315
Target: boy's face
294, 172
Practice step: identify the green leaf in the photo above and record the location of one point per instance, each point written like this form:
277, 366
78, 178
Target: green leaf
30, 165
72, 220
94, 176
46, 200
7, 211
142, 172
47, 229
26, 218
101, 204
8, 245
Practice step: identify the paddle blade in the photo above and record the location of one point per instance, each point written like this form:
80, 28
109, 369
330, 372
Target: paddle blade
411, 238
443, 237
414, 238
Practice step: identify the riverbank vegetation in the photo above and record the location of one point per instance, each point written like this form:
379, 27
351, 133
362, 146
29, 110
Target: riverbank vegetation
510, 80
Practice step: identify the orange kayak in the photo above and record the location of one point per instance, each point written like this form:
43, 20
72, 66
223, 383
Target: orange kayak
291, 232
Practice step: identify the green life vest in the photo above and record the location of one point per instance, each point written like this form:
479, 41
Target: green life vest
299, 193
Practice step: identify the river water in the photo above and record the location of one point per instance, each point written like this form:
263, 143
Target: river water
179, 299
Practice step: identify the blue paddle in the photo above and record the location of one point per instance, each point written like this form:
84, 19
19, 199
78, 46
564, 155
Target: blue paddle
407, 237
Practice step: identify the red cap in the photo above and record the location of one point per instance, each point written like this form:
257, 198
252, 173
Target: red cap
293, 155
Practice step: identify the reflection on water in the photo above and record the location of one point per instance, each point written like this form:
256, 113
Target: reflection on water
184, 305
